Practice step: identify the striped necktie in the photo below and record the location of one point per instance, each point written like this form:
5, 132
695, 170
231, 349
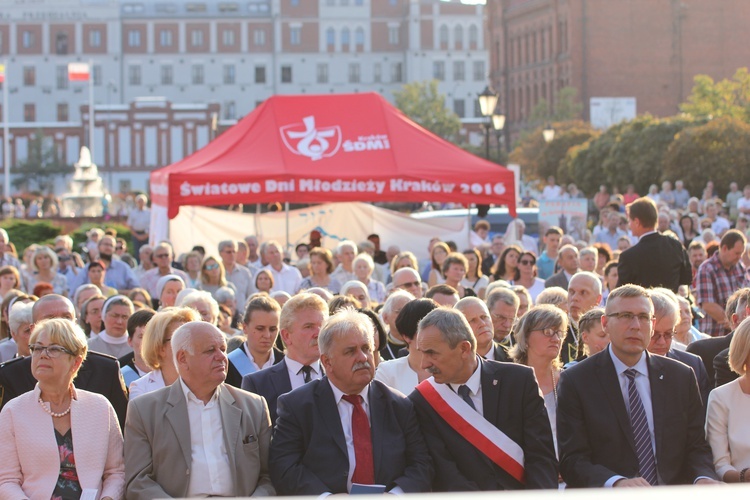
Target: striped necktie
641, 434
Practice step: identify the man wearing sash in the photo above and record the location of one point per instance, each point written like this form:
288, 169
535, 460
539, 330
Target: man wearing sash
484, 421
261, 327
348, 433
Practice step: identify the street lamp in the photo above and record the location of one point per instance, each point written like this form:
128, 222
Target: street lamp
487, 105
548, 133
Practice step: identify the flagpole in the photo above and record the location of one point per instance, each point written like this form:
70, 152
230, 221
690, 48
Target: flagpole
91, 110
6, 132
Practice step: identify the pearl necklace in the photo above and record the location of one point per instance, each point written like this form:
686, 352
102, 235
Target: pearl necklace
52, 413
554, 384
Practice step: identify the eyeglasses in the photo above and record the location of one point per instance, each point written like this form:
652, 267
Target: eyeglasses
643, 318
501, 318
159, 256
551, 332
118, 248
526, 262
211, 267
118, 317
667, 336
410, 284
51, 351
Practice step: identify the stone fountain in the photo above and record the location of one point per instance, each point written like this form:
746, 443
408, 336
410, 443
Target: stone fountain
86, 189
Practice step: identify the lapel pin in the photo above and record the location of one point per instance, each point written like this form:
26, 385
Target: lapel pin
494, 382
661, 377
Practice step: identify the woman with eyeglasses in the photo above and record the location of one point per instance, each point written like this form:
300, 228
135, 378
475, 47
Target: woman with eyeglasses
527, 275
58, 441
213, 276
156, 349
91, 316
539, 337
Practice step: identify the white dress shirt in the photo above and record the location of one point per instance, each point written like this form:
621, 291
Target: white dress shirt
346, 410
475, 386
397, 374
210, 473
147, 383
267, 364
297, 377
288, 279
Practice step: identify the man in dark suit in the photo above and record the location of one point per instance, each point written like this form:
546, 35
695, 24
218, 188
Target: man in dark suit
300, 321
498, 400
737, 309
627, 418
503, 304
667, 314
99, 373
656, 260
567, 258
476, 313
346, 428
261, 328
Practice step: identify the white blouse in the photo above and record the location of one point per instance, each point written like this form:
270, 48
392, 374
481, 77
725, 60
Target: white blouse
728, 427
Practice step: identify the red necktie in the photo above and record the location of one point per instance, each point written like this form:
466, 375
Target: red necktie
364, 470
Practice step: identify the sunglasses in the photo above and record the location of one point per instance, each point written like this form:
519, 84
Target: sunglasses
526, 262
211, 267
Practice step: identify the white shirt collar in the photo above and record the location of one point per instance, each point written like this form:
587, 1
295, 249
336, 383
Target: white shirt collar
474, 382
338, 393
192, 398
296, 366
641, 366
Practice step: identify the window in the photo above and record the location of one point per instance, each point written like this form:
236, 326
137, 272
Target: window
459, 107
286, 74
458, 37
96, 74
479, 72
459, 71
196, 38
227, 38
62, 111
167, 74
95, 38
260, 74
346, 39
444, 37
359, 39
397, 71
377, 73
61, 44
197, 74
29, 76
354, 73
259, 37
321, 73
331, 37
230, 110
393, 35
438, 70
134, 75
134, 38
295, 35
29, 112
230, 74
61, 77
126, 186
28, 40
473, 36
165, 38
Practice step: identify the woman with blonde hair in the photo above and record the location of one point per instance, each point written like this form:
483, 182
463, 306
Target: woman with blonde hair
58, 441
404, 259
213, 275
438, 254
364, 266
156, 349
43, 269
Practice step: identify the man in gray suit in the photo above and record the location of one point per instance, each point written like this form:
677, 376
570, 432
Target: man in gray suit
567, 257
198, 437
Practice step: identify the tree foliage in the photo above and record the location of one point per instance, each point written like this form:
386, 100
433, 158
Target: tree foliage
710, 99
41, 166
423, 103
567, 108
718, 151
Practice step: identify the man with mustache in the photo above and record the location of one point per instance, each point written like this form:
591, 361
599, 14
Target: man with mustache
347, 432
484, 421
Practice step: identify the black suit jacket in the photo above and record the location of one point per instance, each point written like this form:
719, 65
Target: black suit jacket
656, 260
511, 402
569, 348
99, 373
269, 383
707, 349
308, 451
723, 373
233, 375
557, 279
128, 360
595, 436
696, 364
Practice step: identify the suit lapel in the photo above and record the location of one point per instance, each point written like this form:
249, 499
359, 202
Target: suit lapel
231, 419
610, 385
490, 394
177, 416
659, 398
280, 379
326, 405
377, 423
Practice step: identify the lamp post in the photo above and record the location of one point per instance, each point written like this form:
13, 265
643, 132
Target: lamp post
496, 121
548, 133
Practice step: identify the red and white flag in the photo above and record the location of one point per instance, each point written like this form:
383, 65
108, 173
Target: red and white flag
78, 72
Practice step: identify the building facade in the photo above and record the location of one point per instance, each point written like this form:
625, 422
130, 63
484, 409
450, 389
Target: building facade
646, 51
164, 72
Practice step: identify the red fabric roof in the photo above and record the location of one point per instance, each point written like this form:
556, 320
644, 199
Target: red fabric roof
327, 148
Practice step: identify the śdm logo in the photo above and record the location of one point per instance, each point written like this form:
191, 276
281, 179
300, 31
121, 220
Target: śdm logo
306, 139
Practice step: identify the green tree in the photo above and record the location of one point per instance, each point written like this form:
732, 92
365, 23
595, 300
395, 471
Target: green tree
717, 99
718, 151
42, 165
423, 103
583, 163
567, 108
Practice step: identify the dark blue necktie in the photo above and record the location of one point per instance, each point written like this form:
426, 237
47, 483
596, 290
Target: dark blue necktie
641, 433
465, 392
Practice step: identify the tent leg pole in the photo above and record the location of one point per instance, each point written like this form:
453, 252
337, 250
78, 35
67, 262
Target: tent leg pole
286, 209
468, 225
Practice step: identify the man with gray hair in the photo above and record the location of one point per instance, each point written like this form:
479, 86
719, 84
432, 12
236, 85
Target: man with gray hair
285, 277
20, 324
162, 257
253, 257
476, 313
480, 444
198, 437
584, 294
503, 304
139, 222
239, 276
327, 426
392, 307
567, 258
345, 253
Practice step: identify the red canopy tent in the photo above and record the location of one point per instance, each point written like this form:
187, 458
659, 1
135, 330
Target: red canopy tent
327, 148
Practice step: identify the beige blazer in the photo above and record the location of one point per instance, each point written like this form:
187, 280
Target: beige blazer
30, 460
158, 450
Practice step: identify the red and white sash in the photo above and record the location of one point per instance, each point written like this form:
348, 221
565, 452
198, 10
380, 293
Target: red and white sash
484, 436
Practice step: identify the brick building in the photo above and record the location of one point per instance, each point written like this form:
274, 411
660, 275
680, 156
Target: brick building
648, 50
